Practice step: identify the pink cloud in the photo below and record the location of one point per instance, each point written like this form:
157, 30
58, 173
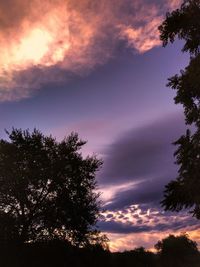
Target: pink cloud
69, 36
121, 242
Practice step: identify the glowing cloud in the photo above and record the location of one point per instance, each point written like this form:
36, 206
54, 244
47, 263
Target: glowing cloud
37, 37
135, 226
121, 242
144, 38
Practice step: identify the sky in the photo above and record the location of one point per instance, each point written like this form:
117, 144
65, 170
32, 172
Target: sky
98, 68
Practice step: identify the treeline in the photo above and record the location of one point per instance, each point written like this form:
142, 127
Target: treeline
173, 251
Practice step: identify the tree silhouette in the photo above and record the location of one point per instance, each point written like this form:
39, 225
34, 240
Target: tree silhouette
178, 251
184, 24
47, 189
138, 257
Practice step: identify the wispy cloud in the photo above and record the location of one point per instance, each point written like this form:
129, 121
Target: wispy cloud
42, 41
143, 153
143, 38
121, 242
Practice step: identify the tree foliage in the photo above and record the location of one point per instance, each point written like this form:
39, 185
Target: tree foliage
173, 251
46, 188
138, 257
178, 251
184, 192
184, 24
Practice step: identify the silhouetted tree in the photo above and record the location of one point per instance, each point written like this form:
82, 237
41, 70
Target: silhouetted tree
138, 257
184, 23
47, 189
173, 251
8, 228
178, 251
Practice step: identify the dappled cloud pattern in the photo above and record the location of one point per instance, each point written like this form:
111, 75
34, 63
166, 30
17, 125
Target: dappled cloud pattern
46, 41
137, 225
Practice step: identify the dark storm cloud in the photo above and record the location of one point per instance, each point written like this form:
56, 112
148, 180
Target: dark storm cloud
147, 193
143, 156
117, 227
144, 153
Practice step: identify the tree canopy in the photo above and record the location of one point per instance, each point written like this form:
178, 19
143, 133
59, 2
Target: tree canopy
184, 24
178, 251
47, 188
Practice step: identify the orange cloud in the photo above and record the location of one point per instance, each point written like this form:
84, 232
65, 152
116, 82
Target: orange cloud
121, 242
72, 36
143, 38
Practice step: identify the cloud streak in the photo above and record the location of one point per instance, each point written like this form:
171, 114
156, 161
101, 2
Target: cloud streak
44, 41
121, 242
143, 153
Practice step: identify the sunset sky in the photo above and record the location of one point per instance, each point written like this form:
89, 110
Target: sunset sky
97, 67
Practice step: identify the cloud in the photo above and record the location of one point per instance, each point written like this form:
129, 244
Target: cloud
121, 242
121, 228
137, 167
135, 225
116, 227
139, 164
47, 41
148, 193
125, 236
136, 219
143, 153
137, 37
